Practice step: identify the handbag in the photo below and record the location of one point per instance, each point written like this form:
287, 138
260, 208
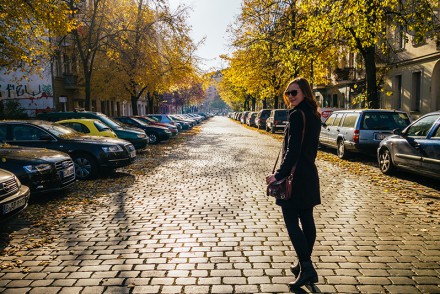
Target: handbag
282, 189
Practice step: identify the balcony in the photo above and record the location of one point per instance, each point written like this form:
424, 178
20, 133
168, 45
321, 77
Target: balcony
345, 74
70, 81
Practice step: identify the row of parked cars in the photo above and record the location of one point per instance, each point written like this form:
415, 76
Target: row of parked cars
390, 135
50, 153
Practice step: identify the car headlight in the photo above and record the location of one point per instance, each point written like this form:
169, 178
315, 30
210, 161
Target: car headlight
32, 169
114, 148
141, 135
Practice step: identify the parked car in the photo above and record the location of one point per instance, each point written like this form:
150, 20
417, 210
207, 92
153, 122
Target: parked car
164, 118
244, 117
360, 130
415, 149
14, 196
41, 169
250, 119
187, 123
92, 127
156, 134
90, 154
148, 120
260, 120
277, 120
136, 136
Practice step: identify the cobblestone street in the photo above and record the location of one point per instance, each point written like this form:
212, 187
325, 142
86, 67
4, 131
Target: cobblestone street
201, 223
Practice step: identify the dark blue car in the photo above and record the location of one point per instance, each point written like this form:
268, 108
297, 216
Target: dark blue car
415, 149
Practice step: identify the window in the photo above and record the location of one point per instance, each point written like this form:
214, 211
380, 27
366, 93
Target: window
281, 115
3, 132
399, 39
79, 127
350, 120
386, 121
26, 133
330, 120
422, 127
436, 134
338, 119
416, 88
100, 126
398, 90
67, 64
335, 100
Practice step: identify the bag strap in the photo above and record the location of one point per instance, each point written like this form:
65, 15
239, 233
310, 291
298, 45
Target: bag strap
302, 139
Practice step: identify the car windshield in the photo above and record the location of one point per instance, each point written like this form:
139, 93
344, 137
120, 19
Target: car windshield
422, 126
60, 130
139, 121
384, 121
145, 120
108, 121
154, 118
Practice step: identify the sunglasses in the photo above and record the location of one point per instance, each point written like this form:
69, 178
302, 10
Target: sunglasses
293, 93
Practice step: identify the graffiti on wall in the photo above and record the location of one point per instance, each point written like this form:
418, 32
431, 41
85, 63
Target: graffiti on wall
32, 98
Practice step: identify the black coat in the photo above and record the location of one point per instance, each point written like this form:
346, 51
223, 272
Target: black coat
305, 190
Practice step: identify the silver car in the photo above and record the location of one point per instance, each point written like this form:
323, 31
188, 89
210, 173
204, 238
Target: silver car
360, 130
415, 149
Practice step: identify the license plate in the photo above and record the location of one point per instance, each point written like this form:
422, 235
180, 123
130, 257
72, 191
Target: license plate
68, 171
132, 153
381, 136
8, 207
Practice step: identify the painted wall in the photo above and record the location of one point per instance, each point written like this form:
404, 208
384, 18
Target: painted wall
33, 91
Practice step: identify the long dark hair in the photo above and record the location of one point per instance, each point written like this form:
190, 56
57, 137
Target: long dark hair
304, 85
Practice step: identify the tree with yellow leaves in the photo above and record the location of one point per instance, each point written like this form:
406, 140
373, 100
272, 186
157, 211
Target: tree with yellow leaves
154, 51
363, 26
27, 30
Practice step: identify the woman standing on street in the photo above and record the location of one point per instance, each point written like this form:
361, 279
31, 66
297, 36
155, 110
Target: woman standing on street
305, 189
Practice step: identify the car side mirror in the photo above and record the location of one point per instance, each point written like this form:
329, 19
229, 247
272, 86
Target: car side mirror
398, 132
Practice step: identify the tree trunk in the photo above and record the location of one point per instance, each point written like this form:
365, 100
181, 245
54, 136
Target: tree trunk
370, 68
149, 106
275, 102
253, 103
264, 103
87, 89
134, 107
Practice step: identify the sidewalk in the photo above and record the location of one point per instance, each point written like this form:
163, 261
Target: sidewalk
201, 223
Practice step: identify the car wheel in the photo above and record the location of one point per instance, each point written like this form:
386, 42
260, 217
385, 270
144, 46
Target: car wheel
85, 166
267, 129
153, 138
272, 130
342, 153
385, 162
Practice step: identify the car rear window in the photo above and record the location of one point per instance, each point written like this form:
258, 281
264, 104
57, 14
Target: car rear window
281, 115
265, 114
386, 121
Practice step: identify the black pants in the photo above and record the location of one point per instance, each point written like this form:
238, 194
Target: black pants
302, 238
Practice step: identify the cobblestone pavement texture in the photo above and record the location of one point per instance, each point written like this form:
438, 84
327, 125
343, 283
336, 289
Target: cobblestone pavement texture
201, 223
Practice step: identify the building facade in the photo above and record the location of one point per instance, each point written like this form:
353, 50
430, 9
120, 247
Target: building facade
412, 83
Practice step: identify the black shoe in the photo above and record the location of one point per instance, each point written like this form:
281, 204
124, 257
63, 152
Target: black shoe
295, 269
307, 275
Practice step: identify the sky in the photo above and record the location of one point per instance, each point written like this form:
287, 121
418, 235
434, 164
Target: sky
210, 19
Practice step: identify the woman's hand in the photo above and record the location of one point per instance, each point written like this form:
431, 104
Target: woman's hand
270, 179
